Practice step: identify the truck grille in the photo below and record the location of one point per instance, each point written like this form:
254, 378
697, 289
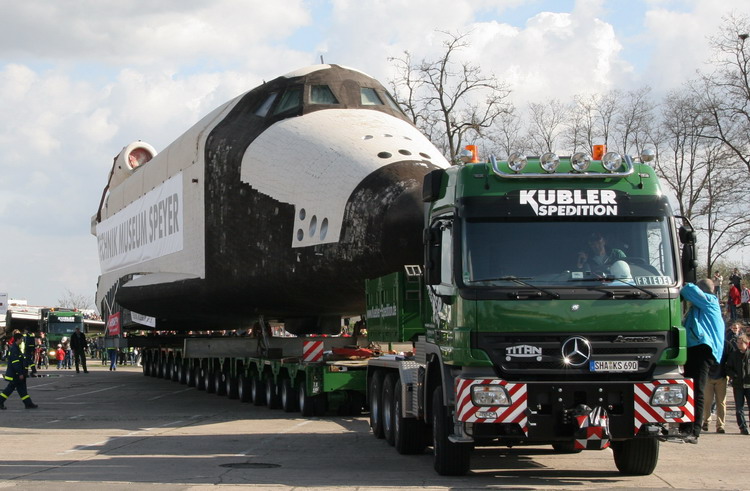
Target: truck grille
540, 356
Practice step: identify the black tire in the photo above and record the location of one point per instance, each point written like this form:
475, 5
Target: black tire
200, 378
451, 459
168, 368
182, 377
389, 384
190, 376
176, 370
258, 391
220, 383
408, 433
289, 399
273, 394
374, 392
146, 365
210, 380
243, 389
636, 457
309, 405
230, 387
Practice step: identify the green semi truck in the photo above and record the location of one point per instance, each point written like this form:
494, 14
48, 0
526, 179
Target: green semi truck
547, 311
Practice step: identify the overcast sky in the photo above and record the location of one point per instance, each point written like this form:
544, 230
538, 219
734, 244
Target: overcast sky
80, 79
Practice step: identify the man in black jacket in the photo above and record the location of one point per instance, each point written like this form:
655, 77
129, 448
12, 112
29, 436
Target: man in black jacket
78, 345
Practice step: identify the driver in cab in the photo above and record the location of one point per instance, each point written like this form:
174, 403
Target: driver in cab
596, 256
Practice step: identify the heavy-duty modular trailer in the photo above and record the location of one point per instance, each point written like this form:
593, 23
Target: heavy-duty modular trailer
293, 374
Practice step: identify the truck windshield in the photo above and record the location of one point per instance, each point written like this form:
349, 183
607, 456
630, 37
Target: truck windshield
569, 253
64, 327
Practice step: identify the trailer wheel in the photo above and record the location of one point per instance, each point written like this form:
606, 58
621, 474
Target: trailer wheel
230, 387
387, 407
451, 459
146, 363
209, 377
376, 404
176, 370
182, 377
310, 405
200, 377
289, 399
168, 368
190, 376
408, 433
243, 389
636, 457
273, 396
258, 391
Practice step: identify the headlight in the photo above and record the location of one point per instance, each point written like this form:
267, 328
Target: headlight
549, 162
516, 162
489, 395
612, 161
580, 162
669, 395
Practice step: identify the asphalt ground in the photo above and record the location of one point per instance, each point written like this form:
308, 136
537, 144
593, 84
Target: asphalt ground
121, 430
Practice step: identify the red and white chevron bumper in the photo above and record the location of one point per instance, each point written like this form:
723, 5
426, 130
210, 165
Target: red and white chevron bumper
467, 412
646, 413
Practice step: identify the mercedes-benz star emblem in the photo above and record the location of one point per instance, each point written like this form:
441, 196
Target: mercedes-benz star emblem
576, 351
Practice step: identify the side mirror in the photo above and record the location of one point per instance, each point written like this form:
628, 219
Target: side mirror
432, 256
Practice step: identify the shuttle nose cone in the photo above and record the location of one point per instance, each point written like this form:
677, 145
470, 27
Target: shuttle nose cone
385, 218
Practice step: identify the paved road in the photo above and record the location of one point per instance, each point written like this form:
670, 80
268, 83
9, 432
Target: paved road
121, 430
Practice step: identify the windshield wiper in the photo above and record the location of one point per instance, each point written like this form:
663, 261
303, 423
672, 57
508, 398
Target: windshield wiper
519, 280
613, 278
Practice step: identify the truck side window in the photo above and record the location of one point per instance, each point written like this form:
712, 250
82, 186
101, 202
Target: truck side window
446, 254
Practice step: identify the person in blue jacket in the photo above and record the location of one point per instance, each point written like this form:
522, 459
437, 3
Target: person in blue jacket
705, 343
16, 374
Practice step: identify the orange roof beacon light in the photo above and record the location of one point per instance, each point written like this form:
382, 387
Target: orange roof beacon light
599, 151
470, 154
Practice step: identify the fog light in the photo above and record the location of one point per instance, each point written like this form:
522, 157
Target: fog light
489, 395
669, 395
580, 162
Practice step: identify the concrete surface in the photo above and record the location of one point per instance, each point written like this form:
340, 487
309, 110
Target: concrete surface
120, 430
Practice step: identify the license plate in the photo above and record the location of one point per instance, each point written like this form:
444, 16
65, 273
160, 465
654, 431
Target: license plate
613, 366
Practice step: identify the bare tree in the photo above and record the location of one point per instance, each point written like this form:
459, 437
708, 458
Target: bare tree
699, 173
456, 96
506, 136
725, 93
72, 300
633, 121
546, 122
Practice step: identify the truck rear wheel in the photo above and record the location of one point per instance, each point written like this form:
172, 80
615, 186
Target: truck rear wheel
408, 433
200, 378
387, 407
451, 459
190, 376
636, 457
183, 373
376, 404
220, 383
209, 377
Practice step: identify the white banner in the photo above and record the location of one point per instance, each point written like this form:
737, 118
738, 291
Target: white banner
143, 319
146, 229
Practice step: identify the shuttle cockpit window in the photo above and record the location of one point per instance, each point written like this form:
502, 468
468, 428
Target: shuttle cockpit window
291, 99
369, 97
265, 106
321, 94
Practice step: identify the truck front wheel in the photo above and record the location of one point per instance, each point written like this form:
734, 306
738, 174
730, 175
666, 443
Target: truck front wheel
451, 459
636, 457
